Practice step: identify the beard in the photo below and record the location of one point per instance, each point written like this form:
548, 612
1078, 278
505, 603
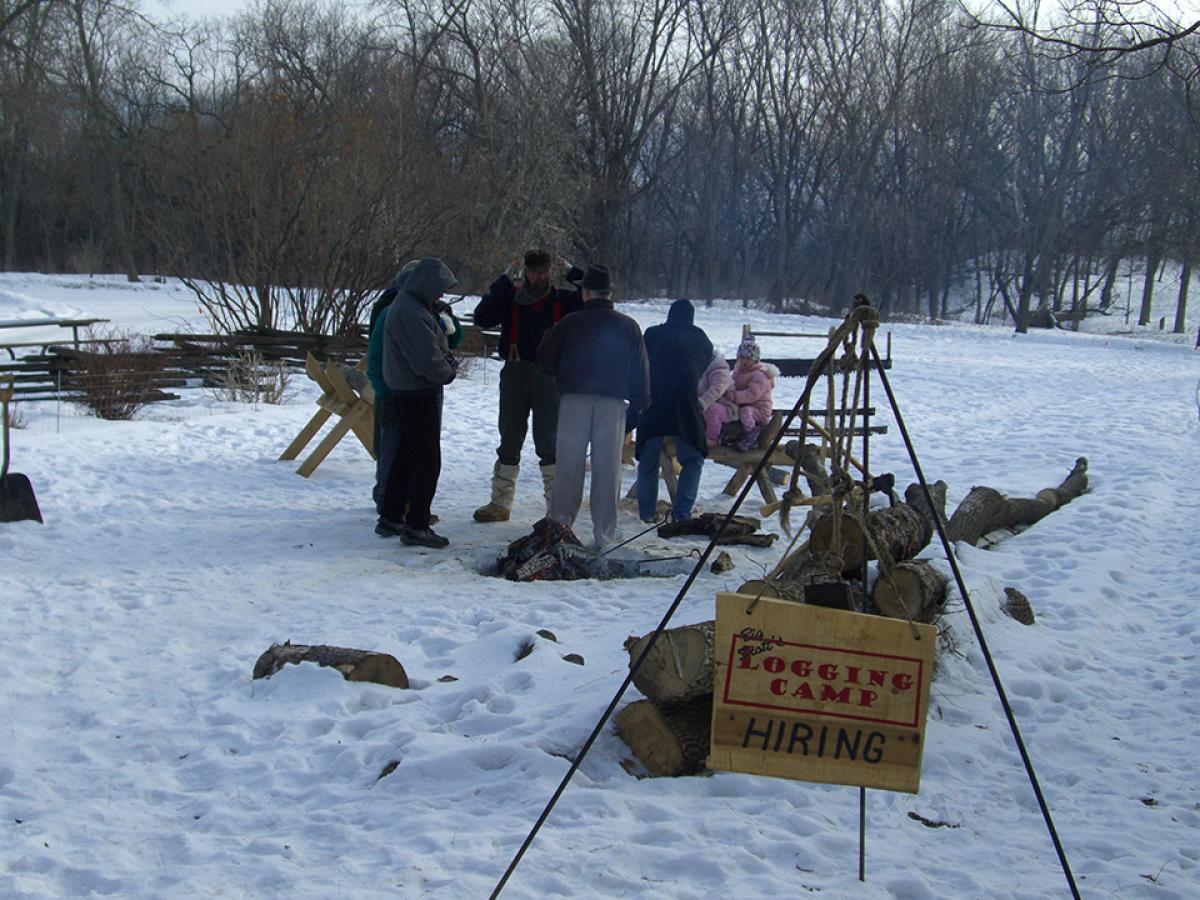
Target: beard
528, 294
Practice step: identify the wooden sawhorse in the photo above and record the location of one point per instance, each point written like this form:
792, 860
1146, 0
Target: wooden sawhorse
350, 399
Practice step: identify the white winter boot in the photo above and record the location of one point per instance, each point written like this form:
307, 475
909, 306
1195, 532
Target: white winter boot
504, 488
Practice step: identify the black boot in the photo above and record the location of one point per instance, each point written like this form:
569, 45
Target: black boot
387, 528
423, 537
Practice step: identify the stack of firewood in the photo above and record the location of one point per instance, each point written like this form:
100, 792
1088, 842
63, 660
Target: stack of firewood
669, 730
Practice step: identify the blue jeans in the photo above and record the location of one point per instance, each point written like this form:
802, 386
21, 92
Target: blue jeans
647, 478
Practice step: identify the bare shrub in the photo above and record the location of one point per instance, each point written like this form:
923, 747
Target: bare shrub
252, 379
471, 351
119, 374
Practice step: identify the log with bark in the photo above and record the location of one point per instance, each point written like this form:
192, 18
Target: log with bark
355, 665
669, 740
912, 590
914, 496
679, 666
834, 593
986, 509
900, 531
774, 590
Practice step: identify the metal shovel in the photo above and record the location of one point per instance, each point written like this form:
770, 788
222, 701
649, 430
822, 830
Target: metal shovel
17, 501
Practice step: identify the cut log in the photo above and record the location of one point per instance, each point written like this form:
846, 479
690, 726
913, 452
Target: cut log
986, 509
680, 665
810, 567
355, 665
668, 740
899, 531
775, 590
914, 496
916, 591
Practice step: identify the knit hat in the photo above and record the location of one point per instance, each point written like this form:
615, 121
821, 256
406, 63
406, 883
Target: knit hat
748, 349
537, 260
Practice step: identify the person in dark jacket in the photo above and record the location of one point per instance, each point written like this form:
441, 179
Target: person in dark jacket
598, 360
525, 304
386, 438
417, 364
679, 352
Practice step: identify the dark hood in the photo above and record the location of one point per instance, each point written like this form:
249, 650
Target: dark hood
429, 279
682, 313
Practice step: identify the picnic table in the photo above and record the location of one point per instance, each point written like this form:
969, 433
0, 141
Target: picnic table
73, 324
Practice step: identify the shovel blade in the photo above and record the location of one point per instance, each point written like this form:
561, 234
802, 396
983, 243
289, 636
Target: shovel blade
17, 502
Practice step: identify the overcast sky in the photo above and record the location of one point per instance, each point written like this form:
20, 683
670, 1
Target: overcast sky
164, 9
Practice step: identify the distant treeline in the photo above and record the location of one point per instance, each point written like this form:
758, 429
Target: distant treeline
792, 150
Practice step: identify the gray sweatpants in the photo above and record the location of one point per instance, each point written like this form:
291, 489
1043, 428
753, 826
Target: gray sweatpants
585, 419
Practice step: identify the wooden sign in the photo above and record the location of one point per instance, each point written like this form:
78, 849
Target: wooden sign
819, 694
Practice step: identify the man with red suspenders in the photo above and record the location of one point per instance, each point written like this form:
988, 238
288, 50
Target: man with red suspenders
525, 306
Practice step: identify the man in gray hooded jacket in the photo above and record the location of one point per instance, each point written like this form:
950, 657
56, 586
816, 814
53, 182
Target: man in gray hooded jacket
417, 364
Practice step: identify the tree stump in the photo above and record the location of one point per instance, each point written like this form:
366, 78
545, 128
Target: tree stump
680, 665
900, 531
355, 665
916, 591
668, 740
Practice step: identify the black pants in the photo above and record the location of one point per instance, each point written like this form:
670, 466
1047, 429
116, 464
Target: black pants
413, 478
385, 450
524, 388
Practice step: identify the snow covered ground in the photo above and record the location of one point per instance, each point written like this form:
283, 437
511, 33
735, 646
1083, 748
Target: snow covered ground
139, 759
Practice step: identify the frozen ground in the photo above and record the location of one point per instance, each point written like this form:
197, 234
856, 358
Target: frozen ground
139, 759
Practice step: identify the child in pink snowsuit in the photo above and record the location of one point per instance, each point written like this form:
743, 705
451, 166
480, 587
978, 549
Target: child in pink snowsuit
752, 392
715, 381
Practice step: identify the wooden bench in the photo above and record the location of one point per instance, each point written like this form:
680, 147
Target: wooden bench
351, 399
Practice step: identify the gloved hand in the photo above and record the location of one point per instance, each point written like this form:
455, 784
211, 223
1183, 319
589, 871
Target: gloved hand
441, 307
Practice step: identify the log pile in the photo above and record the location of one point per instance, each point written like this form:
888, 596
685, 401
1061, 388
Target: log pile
669, 731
